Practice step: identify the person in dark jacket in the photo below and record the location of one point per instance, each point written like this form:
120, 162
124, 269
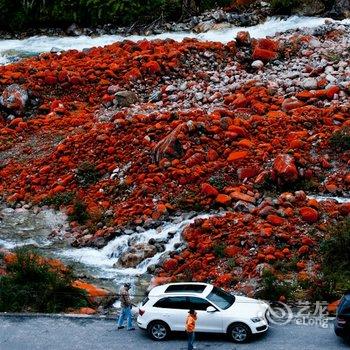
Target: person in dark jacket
191, 327
126, 306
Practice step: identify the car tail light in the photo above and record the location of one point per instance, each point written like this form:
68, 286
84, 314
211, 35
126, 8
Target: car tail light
341, 320
141, 312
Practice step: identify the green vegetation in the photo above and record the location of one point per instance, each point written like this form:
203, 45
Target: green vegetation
59, 199
272, 288
33, 285
284, 6
335, 251
219, 250
218, 181
36, 13
340, 140
87, 174
80, 214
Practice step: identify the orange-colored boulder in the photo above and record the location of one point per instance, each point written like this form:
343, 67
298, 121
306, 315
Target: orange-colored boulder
309, 215
264, 55
275, 220
285, 168
209, 190
223, 199
236, 156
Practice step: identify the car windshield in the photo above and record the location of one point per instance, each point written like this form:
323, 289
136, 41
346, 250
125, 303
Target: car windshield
220, 298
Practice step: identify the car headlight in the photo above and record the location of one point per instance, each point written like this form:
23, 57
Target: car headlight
257, 319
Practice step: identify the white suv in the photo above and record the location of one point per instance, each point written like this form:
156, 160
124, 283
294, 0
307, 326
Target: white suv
166, 308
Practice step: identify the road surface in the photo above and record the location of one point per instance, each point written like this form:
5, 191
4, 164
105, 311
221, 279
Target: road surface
61, 333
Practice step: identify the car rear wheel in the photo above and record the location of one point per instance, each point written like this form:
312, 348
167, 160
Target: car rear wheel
158, 330
239, 332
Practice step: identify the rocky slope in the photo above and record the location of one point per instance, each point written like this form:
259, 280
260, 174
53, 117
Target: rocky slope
128, 134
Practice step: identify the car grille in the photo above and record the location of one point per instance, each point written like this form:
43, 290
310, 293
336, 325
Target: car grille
261, 328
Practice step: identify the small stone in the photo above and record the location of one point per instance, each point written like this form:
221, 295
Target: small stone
258, 64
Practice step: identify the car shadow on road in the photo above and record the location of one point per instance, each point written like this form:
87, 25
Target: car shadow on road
206, 337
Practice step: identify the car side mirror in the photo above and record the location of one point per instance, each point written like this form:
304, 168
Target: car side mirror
211, 309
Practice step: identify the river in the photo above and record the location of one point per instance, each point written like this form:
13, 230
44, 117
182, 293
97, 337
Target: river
11, 50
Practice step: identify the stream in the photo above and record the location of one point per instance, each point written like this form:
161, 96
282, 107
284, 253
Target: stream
12, 50
26, 228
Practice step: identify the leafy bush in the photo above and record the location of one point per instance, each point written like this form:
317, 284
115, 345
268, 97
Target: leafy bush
218, 181
87, 174
33, 285
272, 288
219, 250
80, 214
59, 199
283, 6
36, 13
340, 139
335, 252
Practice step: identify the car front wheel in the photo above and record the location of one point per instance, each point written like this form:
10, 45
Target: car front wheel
239, 332
158, 330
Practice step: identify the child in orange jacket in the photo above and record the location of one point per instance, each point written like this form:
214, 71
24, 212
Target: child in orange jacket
190, 327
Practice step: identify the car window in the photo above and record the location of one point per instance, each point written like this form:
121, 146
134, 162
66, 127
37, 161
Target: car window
194, 288
199, 304
220, 298
173, 303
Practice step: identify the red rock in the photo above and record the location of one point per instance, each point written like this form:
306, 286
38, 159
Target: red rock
238, 196
86, 311
309, 215
344, 209
209, 190
330, 92
247, 173
152, 67
285, 168
212, 155
231, 251
264, 55
15, 97
223, 199
243, 38
303, 250
170, 264
275, 220
237, 155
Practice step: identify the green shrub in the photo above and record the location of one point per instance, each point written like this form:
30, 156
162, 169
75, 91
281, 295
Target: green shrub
218, 181
340, 140
80, 213
335, 255
272, 288
59, 199
34, 286
283, 6
219, 250
36, 13
87, 174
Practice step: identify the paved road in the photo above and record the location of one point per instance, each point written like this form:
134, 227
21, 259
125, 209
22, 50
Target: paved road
28, 333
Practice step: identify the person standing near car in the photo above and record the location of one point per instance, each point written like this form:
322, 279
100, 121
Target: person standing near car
126, 306
191, 327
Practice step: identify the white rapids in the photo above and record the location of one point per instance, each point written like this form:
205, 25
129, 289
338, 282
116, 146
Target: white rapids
10, 49
327, 198
102, 260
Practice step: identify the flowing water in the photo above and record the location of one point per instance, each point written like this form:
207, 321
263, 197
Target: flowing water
22, 227
11, 50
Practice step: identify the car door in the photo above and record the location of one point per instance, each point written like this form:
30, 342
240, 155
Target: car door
173, 311
210, 322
